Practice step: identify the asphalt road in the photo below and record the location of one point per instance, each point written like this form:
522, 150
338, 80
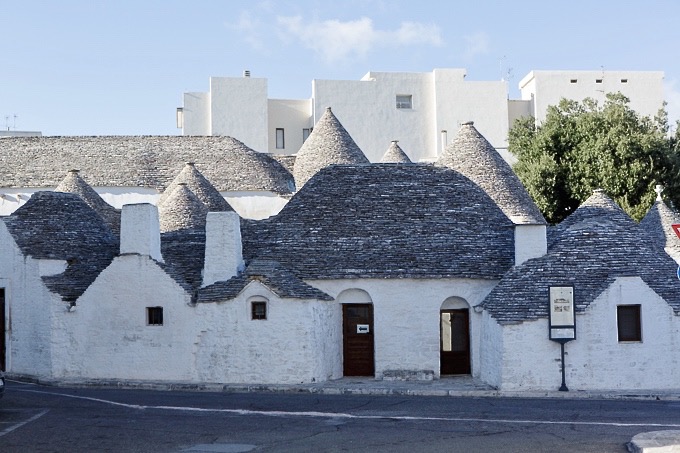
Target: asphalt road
50, 419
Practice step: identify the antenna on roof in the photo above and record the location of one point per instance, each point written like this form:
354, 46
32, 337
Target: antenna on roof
15, 121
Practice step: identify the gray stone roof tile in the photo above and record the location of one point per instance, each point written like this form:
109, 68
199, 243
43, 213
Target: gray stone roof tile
386, 221
395, 154
61, 226
657, 223
139, 161
597, 244
200, 187
472, 155
74, 183
328, 144
182, 210
271, 274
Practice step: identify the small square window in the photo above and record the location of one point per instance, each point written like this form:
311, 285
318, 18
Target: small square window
280, 139
573, 80
598, 80
628, 322
624, 80
404, 101
258, 310
154, 316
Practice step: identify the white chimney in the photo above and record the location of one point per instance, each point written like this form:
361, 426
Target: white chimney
140, 230
223, 249
530, 242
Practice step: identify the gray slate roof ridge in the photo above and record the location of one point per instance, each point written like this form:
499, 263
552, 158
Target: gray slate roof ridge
472, 155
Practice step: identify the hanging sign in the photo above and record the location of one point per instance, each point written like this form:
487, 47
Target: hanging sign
562, 322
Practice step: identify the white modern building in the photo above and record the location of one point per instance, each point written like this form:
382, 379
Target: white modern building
421, 110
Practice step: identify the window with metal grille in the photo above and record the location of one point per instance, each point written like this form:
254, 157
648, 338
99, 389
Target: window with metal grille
628, 321
258, 310
404, 101
154, 316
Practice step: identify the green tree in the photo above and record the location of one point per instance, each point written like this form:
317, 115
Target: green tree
583, 146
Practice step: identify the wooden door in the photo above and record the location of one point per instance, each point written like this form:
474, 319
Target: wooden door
357, 340
455, 341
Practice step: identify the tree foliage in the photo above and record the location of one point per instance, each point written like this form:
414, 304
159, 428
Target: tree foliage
583, 146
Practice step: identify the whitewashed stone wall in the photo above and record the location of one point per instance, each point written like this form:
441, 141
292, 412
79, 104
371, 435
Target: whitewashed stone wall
406, 320
298, 342
247, 204
29, 310
596, 360
107, 336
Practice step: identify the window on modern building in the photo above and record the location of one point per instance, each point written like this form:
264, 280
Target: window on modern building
624, 80
280, 140
628, 322
598, 80
404, 101
154, 316
573, 80
258, 310
305, 134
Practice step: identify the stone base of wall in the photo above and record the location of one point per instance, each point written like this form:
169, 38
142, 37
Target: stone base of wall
408, 375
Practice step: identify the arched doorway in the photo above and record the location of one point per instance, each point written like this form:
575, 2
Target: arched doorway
358, 357
454, 330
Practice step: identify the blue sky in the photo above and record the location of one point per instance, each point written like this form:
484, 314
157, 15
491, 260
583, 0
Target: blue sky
120, 67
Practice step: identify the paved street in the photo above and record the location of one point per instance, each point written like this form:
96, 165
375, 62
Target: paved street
47, 419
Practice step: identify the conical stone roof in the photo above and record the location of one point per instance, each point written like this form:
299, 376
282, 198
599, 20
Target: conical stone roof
598, 243
395, 155
61, 226
74, 183
328, 144
200, 186
657, 224
182, 210
472, 155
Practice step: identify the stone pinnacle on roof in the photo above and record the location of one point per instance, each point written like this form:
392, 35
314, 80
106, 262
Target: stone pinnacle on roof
200, 186
472, 155
395, 154
74, 183
328, 144
182, 210
657, 224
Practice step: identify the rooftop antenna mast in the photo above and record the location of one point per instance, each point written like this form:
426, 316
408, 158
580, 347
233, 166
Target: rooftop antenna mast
15, 121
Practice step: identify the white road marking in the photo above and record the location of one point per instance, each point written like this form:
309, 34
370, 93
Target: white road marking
19, 425
315, 414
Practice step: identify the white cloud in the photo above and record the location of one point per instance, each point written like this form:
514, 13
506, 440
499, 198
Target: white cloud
250, 30
476, 44
335, 40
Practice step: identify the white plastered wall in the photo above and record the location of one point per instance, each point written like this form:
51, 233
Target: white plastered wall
596, 360
107, 336
406, 320
30, 309
297, 343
